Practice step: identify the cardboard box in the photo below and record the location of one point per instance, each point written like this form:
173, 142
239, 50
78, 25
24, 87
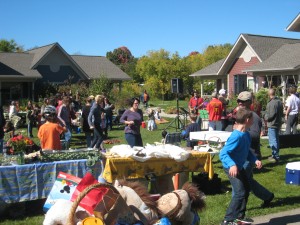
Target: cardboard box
63, 188
292, 175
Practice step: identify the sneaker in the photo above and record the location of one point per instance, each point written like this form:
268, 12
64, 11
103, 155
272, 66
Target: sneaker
243, 221
272, 159
266, 203
228, 223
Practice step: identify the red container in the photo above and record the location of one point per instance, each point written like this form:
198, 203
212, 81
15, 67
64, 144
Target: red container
143, 124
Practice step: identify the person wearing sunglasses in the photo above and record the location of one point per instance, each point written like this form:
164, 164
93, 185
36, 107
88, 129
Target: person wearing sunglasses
133, 118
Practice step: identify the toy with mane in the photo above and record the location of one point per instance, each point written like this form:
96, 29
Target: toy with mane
139, 200
182, 206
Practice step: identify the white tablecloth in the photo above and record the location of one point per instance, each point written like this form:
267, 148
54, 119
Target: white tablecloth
209, 135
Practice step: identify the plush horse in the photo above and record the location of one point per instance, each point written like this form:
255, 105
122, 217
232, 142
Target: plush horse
139, 200
182, 206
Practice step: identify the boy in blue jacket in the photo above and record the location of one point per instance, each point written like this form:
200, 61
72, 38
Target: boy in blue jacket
233, 156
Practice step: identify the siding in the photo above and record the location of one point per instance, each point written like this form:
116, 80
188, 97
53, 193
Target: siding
238, 68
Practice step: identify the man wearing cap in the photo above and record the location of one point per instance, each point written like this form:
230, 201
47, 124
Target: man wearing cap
244, 101
273, 116
215, 109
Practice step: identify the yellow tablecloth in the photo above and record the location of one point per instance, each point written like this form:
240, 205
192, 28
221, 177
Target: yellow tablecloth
132, 169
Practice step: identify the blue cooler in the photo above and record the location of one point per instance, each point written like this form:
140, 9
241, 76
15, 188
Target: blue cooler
292, 175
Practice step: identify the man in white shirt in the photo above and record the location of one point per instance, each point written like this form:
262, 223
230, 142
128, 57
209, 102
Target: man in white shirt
291, 116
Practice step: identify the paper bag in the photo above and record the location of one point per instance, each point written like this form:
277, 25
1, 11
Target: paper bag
91, 199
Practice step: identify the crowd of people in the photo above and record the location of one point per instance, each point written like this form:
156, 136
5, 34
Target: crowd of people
66, 113
239, 156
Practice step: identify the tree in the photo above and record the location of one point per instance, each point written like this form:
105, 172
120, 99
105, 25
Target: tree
101, 86
10, 46
123, 58
156, 65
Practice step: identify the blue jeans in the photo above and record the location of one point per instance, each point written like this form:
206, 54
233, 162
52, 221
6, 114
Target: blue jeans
273, 134
1, 145
134, 139
257, 189
88, 138
291, 124
238, 203
98, 137
29, 129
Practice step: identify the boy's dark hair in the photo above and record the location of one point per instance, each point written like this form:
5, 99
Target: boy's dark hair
242, 115
193, 117
164, 133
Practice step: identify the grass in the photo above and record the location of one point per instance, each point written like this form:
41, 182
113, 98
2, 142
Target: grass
272, 176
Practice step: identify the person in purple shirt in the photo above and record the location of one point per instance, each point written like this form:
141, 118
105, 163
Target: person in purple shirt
132, 118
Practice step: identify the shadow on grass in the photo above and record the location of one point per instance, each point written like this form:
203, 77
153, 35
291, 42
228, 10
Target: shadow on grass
279, 202
289, 219
18, 211
284, 159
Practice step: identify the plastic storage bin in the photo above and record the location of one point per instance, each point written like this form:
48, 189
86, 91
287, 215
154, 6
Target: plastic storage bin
292, 175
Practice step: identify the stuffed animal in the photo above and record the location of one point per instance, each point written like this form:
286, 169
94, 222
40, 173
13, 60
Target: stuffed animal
138, 199
182, 206
58, 213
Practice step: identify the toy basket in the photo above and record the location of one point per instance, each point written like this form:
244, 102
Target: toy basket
110, 210
215, 143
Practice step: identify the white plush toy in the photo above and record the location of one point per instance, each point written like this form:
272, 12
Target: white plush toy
59, 212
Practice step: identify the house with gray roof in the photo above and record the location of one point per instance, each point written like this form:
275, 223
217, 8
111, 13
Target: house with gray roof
20, 72
257, 61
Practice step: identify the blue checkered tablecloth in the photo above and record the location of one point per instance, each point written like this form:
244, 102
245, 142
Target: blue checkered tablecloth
20, 183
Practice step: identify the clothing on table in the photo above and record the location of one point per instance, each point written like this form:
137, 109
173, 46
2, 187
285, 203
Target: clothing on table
49, 135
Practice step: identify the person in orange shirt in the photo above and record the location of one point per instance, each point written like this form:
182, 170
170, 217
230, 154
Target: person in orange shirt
215, 108
49, 133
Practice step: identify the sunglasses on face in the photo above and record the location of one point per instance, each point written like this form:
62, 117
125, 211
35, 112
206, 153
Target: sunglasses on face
241, 101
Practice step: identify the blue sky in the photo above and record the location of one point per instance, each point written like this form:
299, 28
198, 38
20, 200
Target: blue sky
94, 27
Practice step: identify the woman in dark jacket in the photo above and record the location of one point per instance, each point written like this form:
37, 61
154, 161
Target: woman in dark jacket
84, 121
94, 120
2, 124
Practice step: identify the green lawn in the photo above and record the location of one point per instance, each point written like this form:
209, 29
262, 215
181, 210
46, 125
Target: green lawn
271, 176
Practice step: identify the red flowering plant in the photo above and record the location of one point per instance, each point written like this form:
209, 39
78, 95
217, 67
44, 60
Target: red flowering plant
18, 144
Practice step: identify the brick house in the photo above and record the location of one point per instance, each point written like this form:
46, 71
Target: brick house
256, 61
20, 72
